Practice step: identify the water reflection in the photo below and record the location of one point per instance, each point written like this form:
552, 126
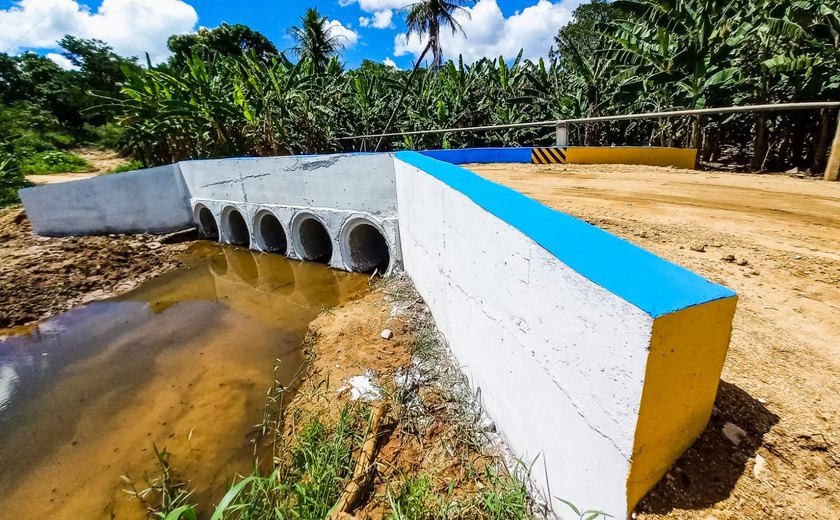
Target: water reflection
184, 361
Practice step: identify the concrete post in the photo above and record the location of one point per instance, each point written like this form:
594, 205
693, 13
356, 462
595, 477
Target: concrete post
832, 169
562, 134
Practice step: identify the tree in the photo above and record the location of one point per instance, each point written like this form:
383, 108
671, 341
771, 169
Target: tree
11, 83
578, 52
421, 18
314, 40
428, 16
225, 40
100, 73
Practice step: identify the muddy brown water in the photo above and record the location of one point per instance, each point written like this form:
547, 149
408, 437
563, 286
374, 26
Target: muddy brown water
183, 362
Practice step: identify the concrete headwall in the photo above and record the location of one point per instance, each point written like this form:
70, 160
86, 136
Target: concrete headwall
595, 358
338, 191
150, 201
563, 328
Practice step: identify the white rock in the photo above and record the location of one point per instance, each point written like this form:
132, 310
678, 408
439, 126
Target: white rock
760, 464
387, 334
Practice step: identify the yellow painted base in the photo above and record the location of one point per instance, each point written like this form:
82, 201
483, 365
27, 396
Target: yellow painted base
650, 156
681, 379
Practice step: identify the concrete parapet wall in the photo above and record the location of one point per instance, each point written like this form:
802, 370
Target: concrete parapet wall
577, 339
685, 158
339, 192
150, 201
481, 155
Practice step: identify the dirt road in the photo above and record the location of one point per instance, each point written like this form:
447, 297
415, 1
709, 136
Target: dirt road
776, 241
103, 161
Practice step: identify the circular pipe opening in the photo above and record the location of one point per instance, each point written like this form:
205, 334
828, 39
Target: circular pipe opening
235, 228
207, 226
314, 241
270, 234
366, 248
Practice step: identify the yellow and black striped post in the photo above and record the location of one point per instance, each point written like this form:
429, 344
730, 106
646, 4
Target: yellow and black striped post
552, 155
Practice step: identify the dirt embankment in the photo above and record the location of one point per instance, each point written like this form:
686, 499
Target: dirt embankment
41, 276
433, 428
776, 241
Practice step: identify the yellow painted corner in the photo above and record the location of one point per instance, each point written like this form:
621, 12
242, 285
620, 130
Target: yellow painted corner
686, 356
650, 156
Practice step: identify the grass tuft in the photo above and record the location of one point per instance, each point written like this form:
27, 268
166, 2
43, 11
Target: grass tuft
53, 161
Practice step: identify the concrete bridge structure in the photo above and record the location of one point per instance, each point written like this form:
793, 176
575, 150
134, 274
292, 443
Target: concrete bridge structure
595, 358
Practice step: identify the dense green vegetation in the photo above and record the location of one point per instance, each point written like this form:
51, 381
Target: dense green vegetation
627, 56
45, 110
229, 91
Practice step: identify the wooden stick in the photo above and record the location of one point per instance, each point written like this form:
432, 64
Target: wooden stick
364, 466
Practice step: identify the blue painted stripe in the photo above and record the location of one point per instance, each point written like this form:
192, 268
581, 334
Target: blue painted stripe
645, 280
481, 155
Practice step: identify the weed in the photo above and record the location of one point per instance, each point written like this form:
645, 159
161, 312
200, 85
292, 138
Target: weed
127, 166
53, 161
164, 494
589, 514
309, 478
504, 497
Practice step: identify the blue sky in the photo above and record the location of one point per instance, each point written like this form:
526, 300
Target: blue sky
373, 29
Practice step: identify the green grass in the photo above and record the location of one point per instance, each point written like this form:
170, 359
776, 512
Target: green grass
53, 161
500, 497
127, 166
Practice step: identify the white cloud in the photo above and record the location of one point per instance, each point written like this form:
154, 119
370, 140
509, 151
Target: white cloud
61, 61
379, 20
374, 6
490, 34
391, 63
131, 27
348, 36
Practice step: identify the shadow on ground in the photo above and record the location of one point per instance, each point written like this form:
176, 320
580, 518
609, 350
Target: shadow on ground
708, 471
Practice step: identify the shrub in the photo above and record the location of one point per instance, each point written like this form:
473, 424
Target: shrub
127, 166
53, 161
11, 180
109, 135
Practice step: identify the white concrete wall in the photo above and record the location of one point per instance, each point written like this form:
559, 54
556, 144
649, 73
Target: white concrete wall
334, 188
560, 361
152, 201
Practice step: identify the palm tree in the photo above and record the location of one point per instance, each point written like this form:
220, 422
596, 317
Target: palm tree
427, 17
314, 40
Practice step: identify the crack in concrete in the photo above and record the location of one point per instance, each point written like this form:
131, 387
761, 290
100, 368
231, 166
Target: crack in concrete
231, 181
571, 401
311, 164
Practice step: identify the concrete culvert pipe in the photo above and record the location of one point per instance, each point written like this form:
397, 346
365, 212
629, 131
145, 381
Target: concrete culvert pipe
235, 229
365, 248
207, 226
270, 234
314, 241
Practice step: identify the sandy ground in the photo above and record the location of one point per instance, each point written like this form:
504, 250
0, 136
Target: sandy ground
776, 241
103, 161
41, 276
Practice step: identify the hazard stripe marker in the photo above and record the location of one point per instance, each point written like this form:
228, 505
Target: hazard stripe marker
548, 155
